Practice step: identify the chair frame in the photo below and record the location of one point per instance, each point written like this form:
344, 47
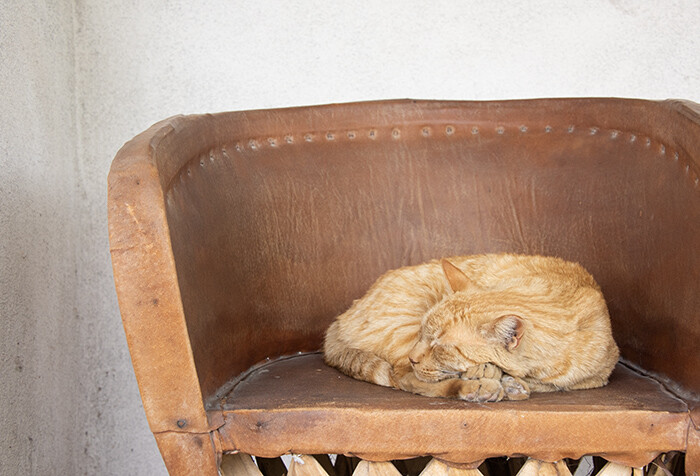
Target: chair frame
178, 385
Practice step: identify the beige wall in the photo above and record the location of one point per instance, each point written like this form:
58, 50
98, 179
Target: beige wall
39, 324
79, 78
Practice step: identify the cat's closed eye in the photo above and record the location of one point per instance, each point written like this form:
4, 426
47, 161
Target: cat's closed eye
439, 353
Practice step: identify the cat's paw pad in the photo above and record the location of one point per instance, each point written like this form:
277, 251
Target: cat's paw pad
481, 390
515, 388
482, 371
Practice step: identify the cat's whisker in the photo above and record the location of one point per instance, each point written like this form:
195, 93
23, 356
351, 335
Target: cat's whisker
452, 373
445, 374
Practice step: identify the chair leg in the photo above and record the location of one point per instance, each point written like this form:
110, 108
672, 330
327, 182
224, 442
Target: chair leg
305, 465
533, 467
188, 453
614, 469
239, 464
438, 468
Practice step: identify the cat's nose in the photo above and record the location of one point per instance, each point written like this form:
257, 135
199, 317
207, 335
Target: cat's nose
417, 353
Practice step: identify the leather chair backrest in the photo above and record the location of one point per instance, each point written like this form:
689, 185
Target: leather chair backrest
280, 219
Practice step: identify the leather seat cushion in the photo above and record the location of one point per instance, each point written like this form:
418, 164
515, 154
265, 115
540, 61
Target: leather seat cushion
298, 404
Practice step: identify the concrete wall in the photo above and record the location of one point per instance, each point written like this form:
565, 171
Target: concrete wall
39, 326
77, 79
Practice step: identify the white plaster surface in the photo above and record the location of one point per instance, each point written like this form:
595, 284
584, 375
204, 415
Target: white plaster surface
40, 348
79, 78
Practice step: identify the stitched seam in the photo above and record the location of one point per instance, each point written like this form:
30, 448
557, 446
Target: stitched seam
410, 131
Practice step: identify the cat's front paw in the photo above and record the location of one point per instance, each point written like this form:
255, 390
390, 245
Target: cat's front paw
481, 390
482, 371
515, 388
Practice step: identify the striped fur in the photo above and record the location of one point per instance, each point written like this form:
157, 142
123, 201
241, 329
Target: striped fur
482, 328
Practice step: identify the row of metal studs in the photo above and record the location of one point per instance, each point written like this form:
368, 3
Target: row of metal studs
257, 144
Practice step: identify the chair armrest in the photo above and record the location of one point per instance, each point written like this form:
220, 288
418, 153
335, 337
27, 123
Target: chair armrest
147, 288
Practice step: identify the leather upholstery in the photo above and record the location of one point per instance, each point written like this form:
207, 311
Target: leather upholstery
239, 236
299, 404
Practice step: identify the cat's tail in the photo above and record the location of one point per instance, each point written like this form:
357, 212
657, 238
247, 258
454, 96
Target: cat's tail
356, 363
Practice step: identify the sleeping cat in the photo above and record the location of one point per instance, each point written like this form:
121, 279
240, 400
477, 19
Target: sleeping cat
480, 328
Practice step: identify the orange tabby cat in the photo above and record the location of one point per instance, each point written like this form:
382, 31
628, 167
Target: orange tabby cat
479, 328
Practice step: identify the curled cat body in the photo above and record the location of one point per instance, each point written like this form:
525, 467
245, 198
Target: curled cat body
480, 328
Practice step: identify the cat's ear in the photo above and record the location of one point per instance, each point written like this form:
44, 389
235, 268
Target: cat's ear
508, 330
457, 279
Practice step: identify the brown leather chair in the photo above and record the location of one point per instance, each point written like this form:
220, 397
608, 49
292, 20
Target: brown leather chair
236, 238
